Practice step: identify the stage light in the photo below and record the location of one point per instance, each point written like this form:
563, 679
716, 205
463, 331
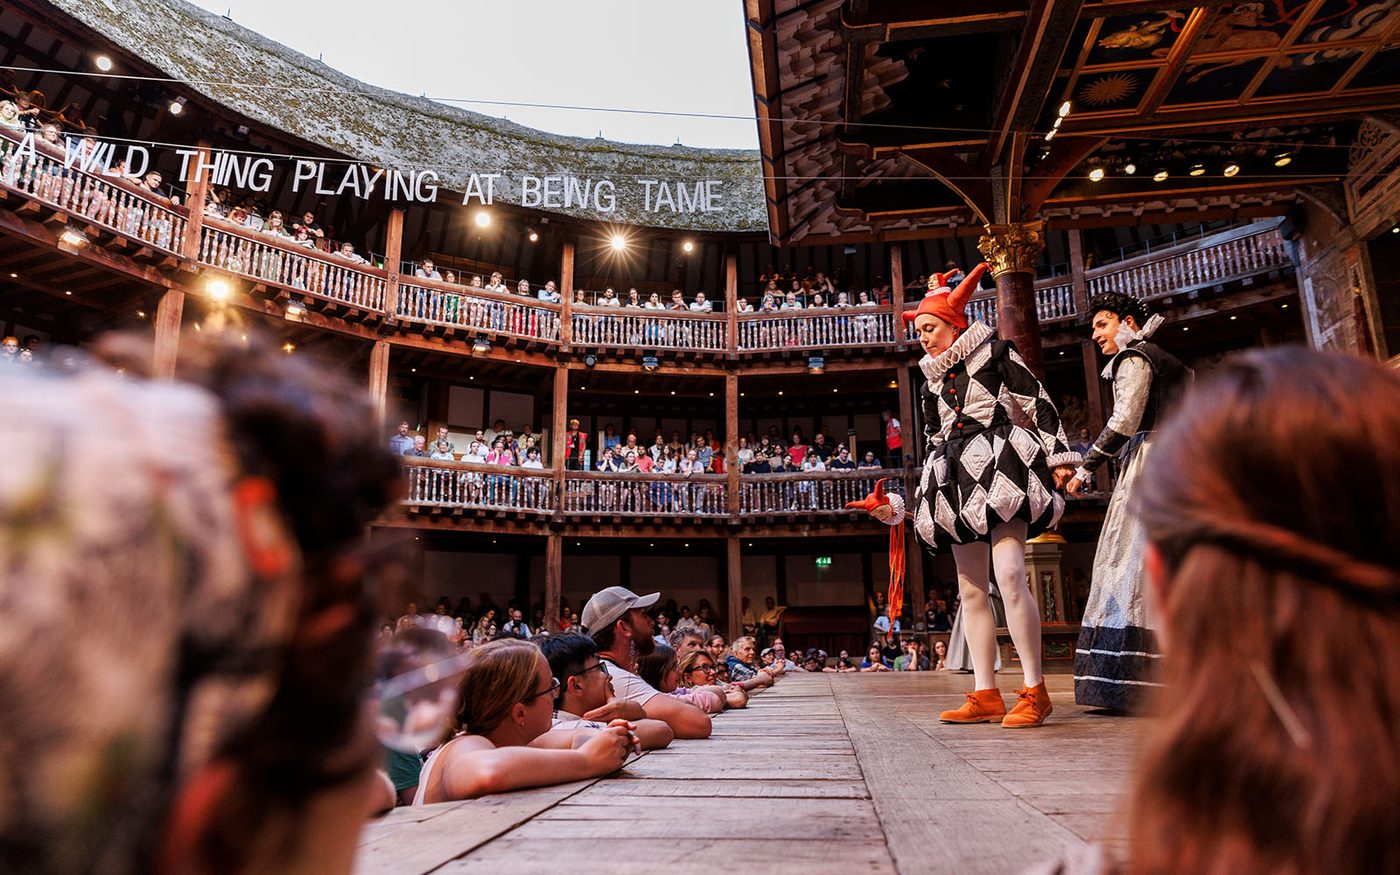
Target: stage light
815, 365
103, 63
1065, 108
481, 347
687, 247
1283, 160
534, 236
14, 276
140, 314
1198, 170
1159, 176
1057, 123
1096, 174
218, 288
289, 348
1130, 169
618, 242
590, 360
1231, 169
295, 307
73, 238
177, 106
68, 292
1050, 136
483, 218
650, 363
780, 393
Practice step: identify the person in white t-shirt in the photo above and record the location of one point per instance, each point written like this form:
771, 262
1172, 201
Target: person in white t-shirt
586, 699
617, 621
701, 304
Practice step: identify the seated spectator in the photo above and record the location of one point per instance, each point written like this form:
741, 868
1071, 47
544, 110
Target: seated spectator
276, 226
609, 299
940, 656
634, 300
313, 230
450, 277
743, 661
585, 699
522, 288
874, 661
420, 447
501, 739
532, 459
616, 619
347, 252
654, 302
516, 625
696, 668
716, 646
427, 270
548, 293
659, 668
843, 460
497, 284
743, 306
869, 461
912, 659
442, 451
701, 304
9, 116
677, 301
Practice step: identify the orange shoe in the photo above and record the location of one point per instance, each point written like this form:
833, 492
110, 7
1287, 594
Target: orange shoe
982, 706
1031, 708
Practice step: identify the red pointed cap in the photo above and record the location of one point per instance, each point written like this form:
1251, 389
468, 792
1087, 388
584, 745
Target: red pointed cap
948, 305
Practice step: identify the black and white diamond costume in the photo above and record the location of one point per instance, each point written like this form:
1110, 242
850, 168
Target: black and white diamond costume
982, 468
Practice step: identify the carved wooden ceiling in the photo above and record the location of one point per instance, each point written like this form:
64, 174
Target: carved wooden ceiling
883, 119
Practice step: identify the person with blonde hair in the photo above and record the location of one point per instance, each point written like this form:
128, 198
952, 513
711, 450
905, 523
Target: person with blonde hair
501, 739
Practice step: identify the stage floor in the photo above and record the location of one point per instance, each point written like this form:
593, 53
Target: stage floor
823, 773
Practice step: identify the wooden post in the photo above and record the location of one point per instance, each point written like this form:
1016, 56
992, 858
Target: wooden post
560, 423
915, 594
553, 580
1012, 250
1093, 390
393, 260
566, 295
1076, 272
897, 293
198, 197
734, 598
169, 312
731, 300
731, 441
379, 380
907, 432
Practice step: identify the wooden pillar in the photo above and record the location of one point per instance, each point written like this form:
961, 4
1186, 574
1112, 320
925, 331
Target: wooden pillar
553, 580
897, 294
566, 295
379, 380
1093, 390
731, 441
1080, 290
915, 593
169, 312
731, 300
907, 431
1012, 250
393, 260
734, 595
197, 189
559, 422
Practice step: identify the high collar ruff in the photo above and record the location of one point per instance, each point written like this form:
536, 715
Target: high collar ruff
935, 367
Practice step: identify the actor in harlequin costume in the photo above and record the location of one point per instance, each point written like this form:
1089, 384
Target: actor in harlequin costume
987, 486
1114, 659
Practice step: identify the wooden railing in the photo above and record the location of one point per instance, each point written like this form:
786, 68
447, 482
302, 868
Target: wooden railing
824, 328
444, 304
649, 329
812, 492
446, 484
110, 202
645, 495
1224, 257
267, 259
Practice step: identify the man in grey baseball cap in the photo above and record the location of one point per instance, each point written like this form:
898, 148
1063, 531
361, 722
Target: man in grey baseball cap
610, 605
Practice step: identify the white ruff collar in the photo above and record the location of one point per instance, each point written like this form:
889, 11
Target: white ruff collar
935, 367
1127, 335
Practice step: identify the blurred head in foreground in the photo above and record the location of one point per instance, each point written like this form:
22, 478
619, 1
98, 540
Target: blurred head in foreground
1272, 506
185, 629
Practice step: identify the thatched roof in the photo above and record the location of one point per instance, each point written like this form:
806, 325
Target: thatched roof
385, 128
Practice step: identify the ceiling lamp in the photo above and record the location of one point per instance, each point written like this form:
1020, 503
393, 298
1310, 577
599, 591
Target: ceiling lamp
1065, 108
177, 106
483, 218
481, 347
218, 288
1198, 170
1159, 176
534, 236
1096, 174
1283, 160
1130, 168
816, 365
687, 247
1057, 123
73, 237
1050, 135
1231, 169
650, 363
103, 63
295, 307
288, 348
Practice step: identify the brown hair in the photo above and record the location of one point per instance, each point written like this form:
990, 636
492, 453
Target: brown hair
1274, 501
652, 667
687, 664
499, 675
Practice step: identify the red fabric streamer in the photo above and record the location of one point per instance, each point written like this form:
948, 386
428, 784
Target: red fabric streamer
896, 593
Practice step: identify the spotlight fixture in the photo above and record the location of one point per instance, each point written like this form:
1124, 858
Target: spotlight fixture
73, 238
1231, 169
289, 348
1159, 176
1050, 135
1065, 108
534, 236
650, 363
295, 307
103, 63
893, 384
618, 242
1057, 123
483, 218
815, 365
780, 393
1198, 170
1130, 168
218, 288
177, 106
1395, 230
1283, 159
13, 275
481, 347
1096, 174
140, 314
68, 292
590, 360
688, 247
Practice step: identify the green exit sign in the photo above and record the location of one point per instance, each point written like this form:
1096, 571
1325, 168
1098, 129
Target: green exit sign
823, 561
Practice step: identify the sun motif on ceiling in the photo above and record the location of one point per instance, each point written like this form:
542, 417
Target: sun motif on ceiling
1104, 90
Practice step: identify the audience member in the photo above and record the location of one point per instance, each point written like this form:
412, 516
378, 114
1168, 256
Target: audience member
874, 661
660, 668
585, 698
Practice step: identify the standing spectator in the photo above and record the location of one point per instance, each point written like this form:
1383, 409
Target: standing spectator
894, 440
516, 625
575, 445
313, 230
442, 452
843, 460
677, 301
420, 447
347, 252
548, 293
821, 447
427, 270
443, 438
869, 461
701, 305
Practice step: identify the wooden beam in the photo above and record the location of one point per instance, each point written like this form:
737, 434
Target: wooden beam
734, 585
393, 260
167, 327
198, 196
566, 293
554, 581
731, 300
731, 440
379, 380
559, 422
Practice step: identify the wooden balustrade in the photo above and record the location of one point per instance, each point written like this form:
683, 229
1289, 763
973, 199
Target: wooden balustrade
697, 496
1231, 255
649, 329
446, 484
824, 328
812, 492
110, 202
478, 310
267, 259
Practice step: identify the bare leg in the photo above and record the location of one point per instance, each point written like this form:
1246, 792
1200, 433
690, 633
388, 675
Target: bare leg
978, 623
1022, 614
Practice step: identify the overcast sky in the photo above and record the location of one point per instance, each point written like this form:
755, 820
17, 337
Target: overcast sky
634, 54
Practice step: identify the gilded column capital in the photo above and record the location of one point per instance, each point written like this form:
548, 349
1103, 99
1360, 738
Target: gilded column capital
1012, 248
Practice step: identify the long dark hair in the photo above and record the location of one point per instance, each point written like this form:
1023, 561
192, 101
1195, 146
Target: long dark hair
1273, 499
